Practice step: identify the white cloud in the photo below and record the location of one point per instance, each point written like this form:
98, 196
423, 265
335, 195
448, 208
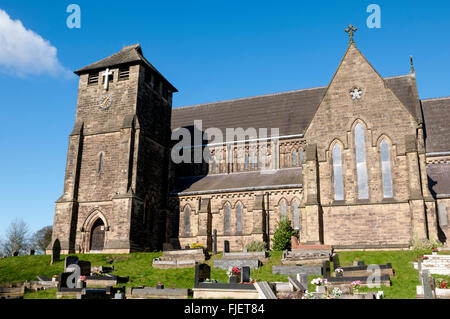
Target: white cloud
23, 51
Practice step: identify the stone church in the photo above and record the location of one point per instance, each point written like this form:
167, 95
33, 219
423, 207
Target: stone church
362, 163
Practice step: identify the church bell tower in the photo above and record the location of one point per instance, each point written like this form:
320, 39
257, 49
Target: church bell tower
115, 188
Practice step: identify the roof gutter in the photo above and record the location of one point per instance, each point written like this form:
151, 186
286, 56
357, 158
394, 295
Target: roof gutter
240, 189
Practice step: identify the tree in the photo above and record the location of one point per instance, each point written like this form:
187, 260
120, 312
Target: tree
41, 239
16, 238
282, 236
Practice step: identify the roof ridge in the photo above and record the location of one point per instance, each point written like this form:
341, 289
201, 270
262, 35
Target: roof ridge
249, 98
397, 76
436, 98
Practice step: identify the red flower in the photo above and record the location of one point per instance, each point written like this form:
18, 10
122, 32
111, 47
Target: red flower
444, 285
236, 270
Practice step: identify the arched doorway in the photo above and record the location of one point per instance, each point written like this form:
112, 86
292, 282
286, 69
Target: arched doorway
98, 235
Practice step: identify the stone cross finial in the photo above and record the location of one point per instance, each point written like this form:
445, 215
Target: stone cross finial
106, 74
350, 30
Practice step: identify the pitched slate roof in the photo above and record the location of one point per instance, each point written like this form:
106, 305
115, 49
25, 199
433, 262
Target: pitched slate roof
128, 54
405, 88
436, 113
288, 111
439, 179
285, 178
291, 112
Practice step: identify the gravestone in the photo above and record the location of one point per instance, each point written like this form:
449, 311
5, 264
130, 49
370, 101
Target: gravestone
202, 272
70, 260
245, 274
215, 242
264, 290
16, 253
56, 251
419, 268
226, 246
303, 280
62, 281
43, 278
428, 285
336, 263
85, 267
296, 284
326, 269
31, 252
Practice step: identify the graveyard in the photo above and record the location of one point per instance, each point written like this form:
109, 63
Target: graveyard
142, 279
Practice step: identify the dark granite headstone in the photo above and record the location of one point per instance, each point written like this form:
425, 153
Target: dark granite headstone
31, 252
336, 263
85, 267
215, 242
16, 253
202, 272
70, 260
326, 269
245, 274
56, 251
62, 281
226, 246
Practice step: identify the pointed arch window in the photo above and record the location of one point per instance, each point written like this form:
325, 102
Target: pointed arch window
239, 218
296, 216
386, 169
187, 220
338, 173
246, 162
213, 165
253, 160
227, 218
361, 165
259, 160
100, 163
301, 156
294, 158
283, 210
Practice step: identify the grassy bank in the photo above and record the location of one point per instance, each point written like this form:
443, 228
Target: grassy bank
138, 267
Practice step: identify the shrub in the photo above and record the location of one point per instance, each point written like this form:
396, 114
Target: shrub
196, 246
256, 246
425, 244
282, 236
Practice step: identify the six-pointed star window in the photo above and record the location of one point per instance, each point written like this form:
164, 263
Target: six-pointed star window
356, 94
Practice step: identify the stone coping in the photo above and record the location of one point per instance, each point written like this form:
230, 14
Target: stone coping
287, 270
183, 252
250, 255
225, 286
226, 263
385, 280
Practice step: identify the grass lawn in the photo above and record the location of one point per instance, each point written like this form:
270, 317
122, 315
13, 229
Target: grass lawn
138, 267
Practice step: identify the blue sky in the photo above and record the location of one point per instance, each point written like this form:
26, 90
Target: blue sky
209, 50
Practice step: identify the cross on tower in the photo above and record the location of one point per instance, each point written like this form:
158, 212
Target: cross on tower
106, 74
350, 30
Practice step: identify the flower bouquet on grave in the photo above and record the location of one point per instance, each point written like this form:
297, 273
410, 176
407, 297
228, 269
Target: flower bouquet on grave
234, 275
339, 272
320, 285
159, 285
434, 251
355, 285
